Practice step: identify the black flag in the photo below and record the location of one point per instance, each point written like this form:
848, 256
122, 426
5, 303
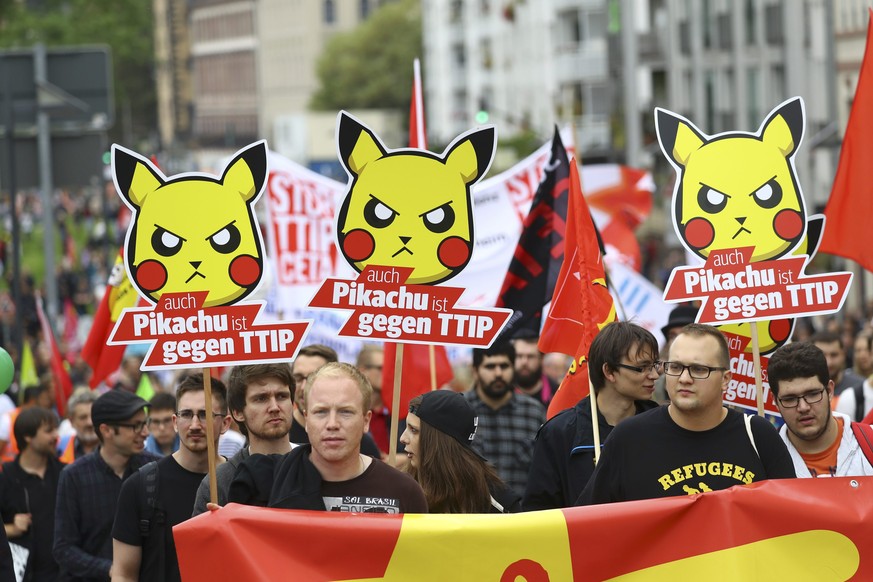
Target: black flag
530, 280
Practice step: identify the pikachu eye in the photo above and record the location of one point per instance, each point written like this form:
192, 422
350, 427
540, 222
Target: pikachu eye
378, 214
711, 200
439, 219
226, 240
165, 242
769, 195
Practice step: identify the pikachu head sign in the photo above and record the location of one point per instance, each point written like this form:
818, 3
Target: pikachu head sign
409, 207
193, 232
737, 189
738, 205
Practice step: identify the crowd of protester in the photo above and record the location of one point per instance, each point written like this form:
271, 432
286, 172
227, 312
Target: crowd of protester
96, 496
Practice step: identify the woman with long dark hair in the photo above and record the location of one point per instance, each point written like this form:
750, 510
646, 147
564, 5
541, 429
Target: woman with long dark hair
440, 428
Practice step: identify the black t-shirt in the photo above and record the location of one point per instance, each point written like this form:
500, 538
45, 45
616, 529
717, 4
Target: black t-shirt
649, 456
379, 489
22, 492
177, 488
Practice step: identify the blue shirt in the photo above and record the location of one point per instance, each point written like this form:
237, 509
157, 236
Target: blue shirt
152, 446
87, 497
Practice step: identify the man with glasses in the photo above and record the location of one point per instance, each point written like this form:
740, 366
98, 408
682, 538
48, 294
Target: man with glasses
88, 489
508, 420
623, 368
694, 444
162, 495
821, 443
163, 439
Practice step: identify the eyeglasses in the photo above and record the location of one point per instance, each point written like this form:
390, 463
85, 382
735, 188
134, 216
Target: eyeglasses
188, 415
159, 421
644, 368
696, 371
794, 401
134, 426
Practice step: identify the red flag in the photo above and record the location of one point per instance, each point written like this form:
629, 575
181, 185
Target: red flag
416, 378
120, 294
581, 305
851, 203
63, 384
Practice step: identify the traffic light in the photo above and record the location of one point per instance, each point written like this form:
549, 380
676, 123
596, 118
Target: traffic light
107, 158
482, 116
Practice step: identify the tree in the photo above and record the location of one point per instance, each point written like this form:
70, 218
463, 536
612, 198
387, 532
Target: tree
370, 67
124, 25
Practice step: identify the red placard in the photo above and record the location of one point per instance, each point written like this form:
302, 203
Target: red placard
184, 334
385, 308
733, 289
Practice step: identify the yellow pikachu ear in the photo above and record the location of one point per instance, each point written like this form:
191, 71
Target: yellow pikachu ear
239, 178
778, 134
366, 150
783, 128
144, 182
472, 153
687, 142
463, 161
247, 172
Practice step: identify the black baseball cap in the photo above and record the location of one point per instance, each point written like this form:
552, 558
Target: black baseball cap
680, 317
449, 412
115, 406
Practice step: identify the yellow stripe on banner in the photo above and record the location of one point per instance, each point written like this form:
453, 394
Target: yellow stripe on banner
810, 555
533, 546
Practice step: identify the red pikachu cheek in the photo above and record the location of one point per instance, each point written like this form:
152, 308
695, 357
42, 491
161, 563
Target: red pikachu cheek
358, 245
151, 275
788, 225
779, 329
245, 270
699, 233
453, 252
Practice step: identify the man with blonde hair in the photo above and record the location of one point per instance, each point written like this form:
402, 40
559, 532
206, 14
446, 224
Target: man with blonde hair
330, 473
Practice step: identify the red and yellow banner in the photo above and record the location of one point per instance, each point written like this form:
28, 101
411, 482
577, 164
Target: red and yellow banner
798, 529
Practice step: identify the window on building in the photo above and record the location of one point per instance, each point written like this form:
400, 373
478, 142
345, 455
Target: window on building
599, 102
570, 27
750, 17
596, 23
329, 11
456, 11
774, 30
709, 101
487, 57
459, 55
706, 24
725, 31
365, 8
753, 97
777, 78
684, 38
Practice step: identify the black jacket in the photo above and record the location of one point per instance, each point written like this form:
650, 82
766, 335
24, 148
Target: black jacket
563, 457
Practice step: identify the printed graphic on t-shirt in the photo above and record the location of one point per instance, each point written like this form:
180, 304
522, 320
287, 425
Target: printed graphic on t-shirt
362, 504
692, 478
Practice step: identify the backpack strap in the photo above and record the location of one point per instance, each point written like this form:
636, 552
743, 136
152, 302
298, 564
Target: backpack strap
864, 436
148, 496
859, 401
747, 418
152, 518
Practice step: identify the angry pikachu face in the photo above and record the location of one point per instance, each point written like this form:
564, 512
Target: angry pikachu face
193, 232
737, 189
409, 208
